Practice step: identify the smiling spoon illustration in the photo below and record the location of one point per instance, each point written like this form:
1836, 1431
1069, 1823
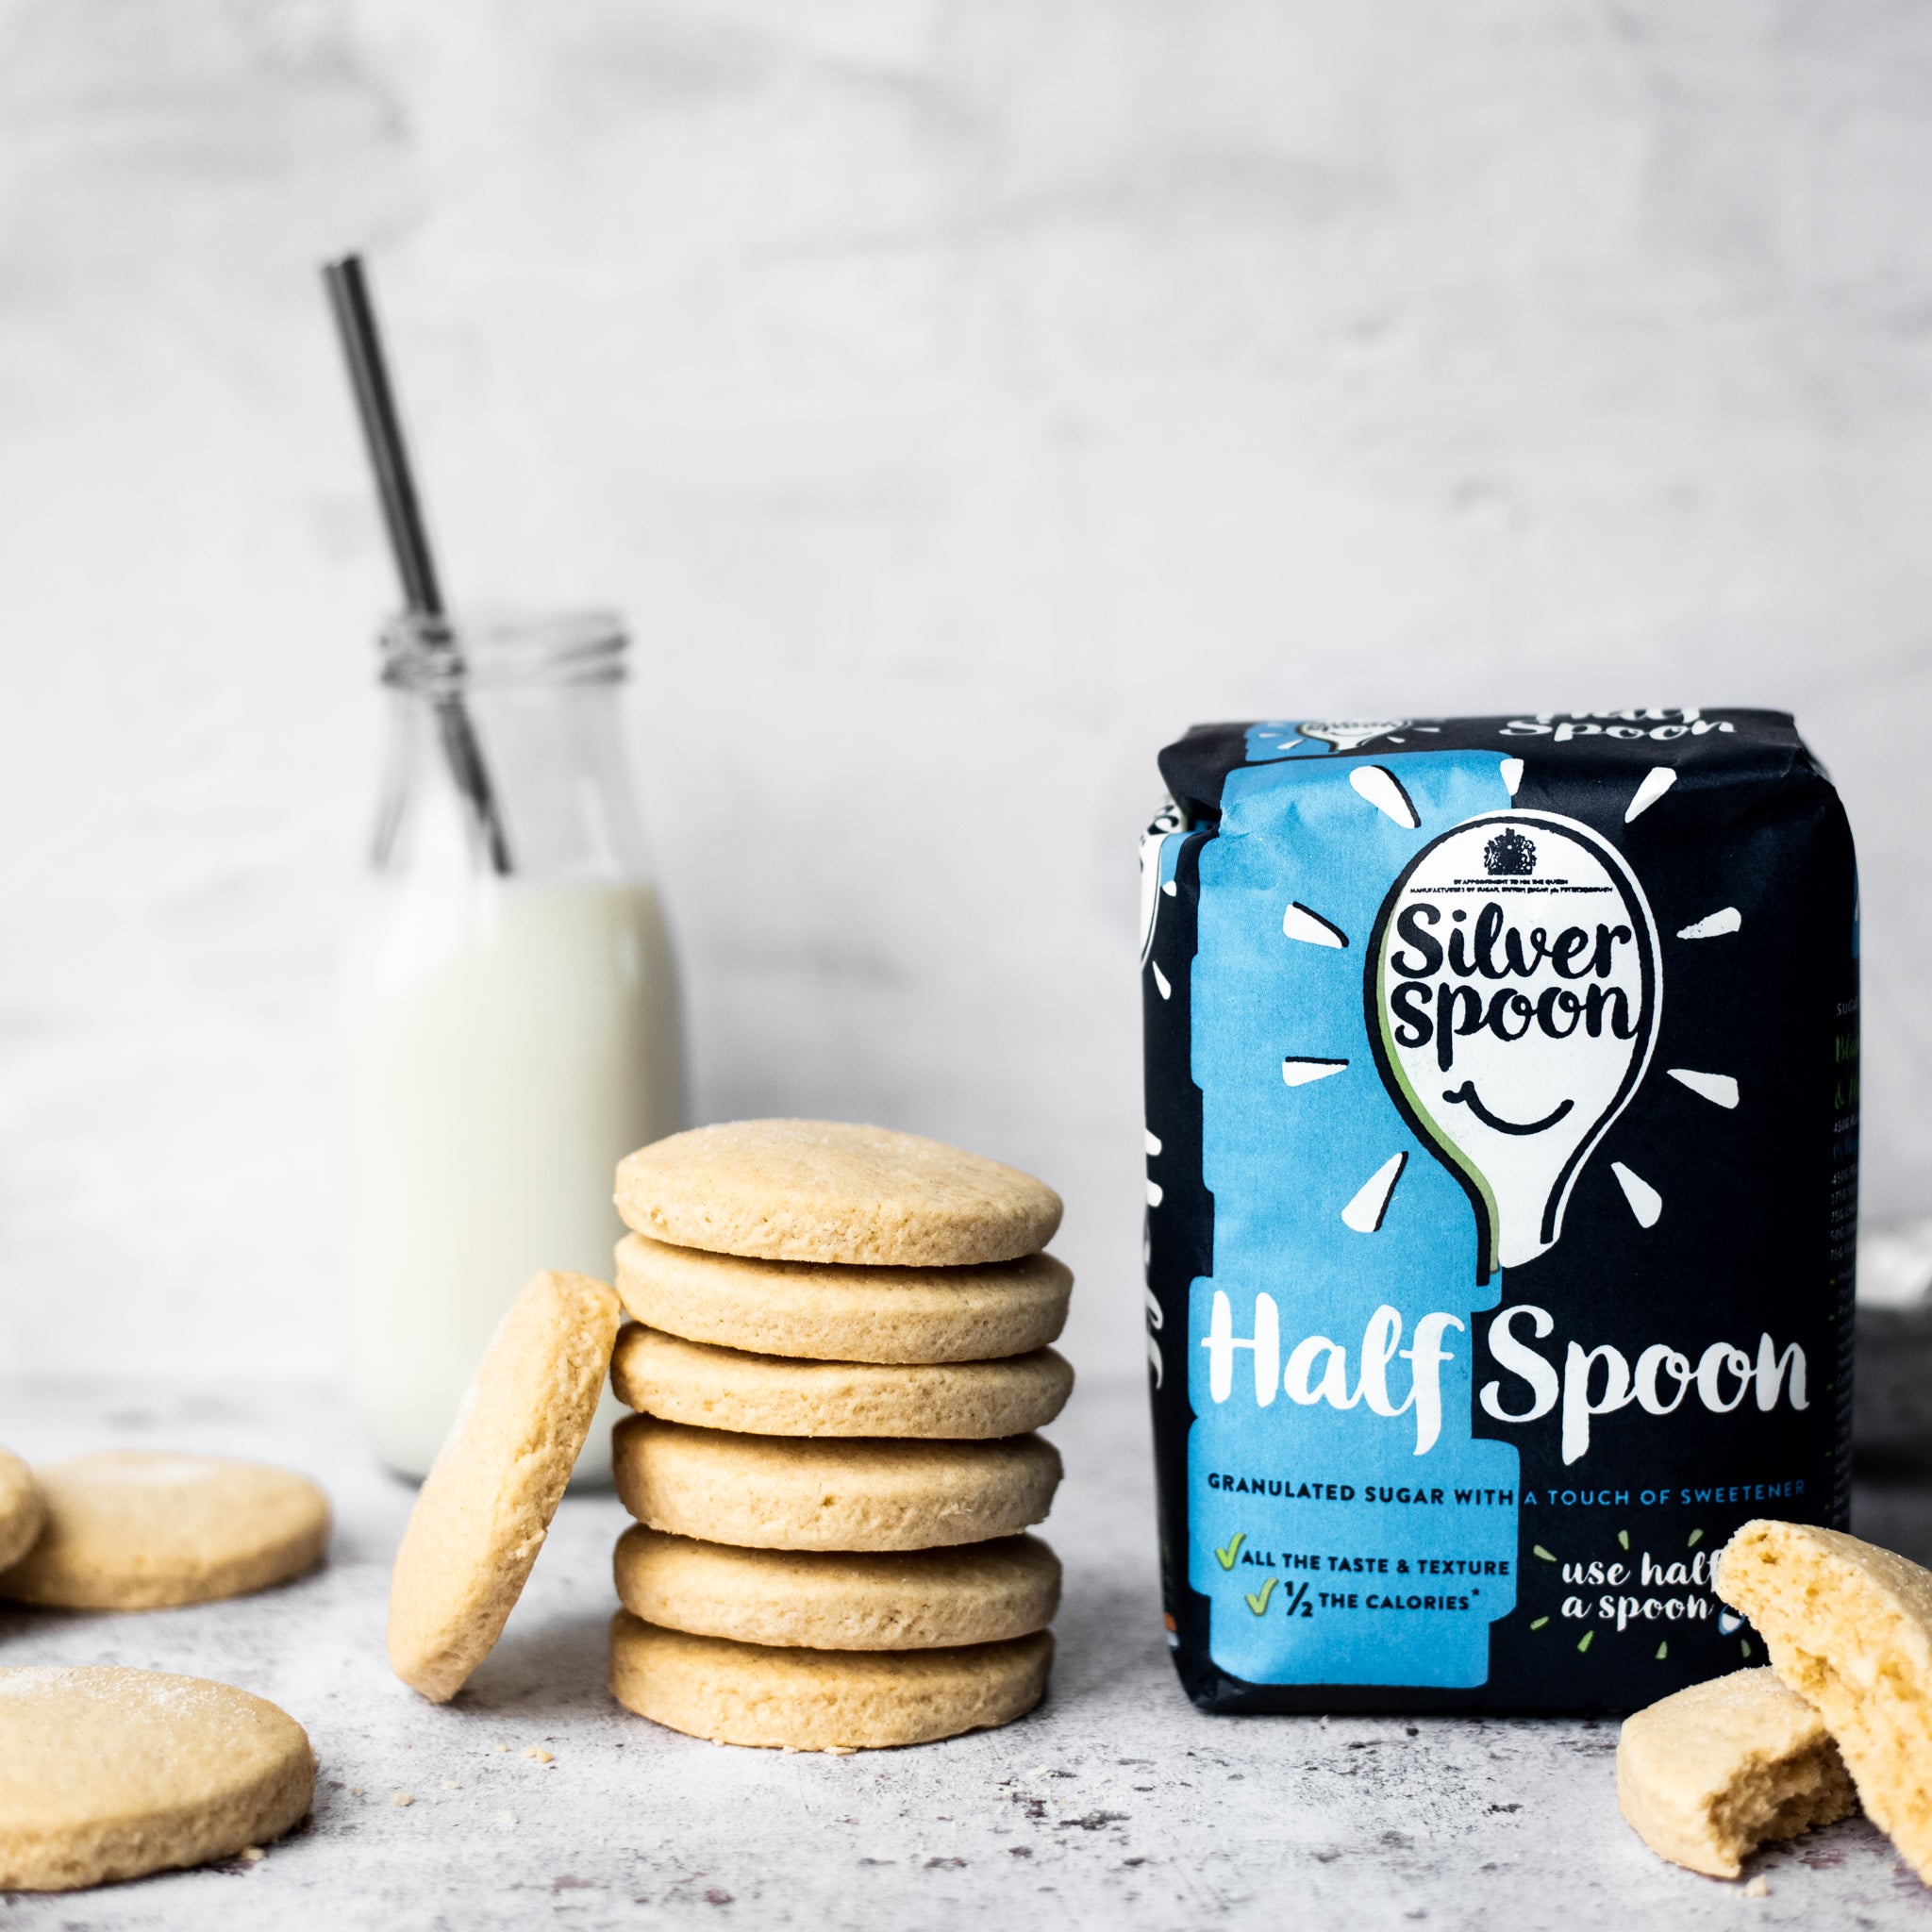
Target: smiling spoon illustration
1351, 734
1513, 998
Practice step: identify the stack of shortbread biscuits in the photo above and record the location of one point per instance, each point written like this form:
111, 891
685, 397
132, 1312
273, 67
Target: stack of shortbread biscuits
838, 1360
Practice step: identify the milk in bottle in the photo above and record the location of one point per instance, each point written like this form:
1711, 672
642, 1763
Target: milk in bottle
509, 1022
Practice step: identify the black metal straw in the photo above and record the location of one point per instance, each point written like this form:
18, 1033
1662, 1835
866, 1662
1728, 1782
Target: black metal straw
402, 514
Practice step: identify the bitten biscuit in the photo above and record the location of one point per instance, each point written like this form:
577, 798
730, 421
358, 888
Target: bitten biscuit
1708, 1776
817, 1700
920, 1600
779, 1492
825, 1311
775, 1395
823, 1190
22, 1512
1849, 1628
485, 1506
108, 1774
138, 1530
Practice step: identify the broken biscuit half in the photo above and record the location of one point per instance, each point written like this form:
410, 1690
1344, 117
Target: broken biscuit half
1849, 1628
1707, 1776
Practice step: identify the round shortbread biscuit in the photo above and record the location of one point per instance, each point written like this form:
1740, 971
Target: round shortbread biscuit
485, 1504
819, 1700
108, 1774
812, 1600
22, 1512
823, 1190
834, 1313
141, 1529
777, 1395
793, 1493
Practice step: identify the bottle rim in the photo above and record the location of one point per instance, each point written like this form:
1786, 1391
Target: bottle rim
465, 651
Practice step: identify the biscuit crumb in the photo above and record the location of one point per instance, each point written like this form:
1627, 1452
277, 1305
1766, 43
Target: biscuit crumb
1758, 1888
252, 1852
403, 1799
538, 1754
839, 1750
356, 1790
448, 1787
506, 1818
1040, 1771
499, 1747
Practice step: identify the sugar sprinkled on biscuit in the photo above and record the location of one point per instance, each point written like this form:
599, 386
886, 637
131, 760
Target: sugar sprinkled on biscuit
109, 1773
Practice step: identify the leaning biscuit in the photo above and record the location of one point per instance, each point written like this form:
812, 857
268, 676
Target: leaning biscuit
109, 1773
22, 1512
828, 1312
1708, 1776
775, 1395
1849, 1628
916, 1600
485, 1506
818, 1700
140, 1529
780, 1493
823, 1190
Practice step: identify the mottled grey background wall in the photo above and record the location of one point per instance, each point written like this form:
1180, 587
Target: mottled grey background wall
960, 398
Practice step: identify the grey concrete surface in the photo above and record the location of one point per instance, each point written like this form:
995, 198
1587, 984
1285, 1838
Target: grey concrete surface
1117, 1804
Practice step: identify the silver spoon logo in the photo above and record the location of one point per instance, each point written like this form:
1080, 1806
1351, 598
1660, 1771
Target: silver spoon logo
1512, 994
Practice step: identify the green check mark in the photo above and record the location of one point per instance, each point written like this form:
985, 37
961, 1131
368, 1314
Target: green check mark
1225, 1557
1259, 1603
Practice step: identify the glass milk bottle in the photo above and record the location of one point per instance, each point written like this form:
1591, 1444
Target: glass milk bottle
509, 1022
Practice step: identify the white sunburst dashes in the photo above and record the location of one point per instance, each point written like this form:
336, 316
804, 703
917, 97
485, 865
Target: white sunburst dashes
1305, 923
1657, 781
1713, 926
1384, 790
1298, 1069
1719, 1089
1366, 1212
1646, 1204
